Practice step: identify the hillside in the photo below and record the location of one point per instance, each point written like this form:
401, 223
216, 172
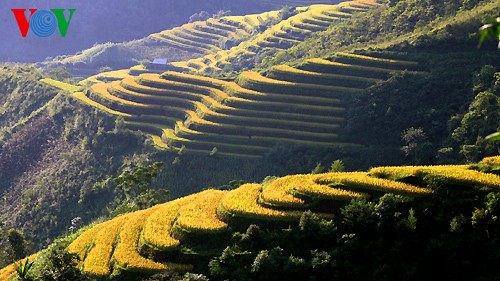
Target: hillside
234, 118
231, 43
111, 21
206, 36
207, 116
168, 236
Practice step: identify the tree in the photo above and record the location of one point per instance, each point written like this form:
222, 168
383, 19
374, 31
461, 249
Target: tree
203, 15
61, 266
221, 13
359, 215
135, 182
17, 244
134, 186
318, 169
59, 73
286, 12
337, 166
491, 30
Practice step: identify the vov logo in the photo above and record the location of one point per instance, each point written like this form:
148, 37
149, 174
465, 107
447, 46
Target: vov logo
43, 23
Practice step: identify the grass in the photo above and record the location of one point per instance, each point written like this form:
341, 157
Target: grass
61, 85
82, 97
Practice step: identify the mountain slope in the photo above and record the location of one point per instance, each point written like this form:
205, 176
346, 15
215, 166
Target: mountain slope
158, 238
303, 106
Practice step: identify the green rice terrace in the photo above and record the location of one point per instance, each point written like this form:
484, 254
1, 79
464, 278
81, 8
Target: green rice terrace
302, 105
163, 237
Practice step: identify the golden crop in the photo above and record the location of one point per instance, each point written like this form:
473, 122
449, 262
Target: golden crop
179, 45
81, 96
85, 242
97, 261
455, 173
493, 160
362, 181
102, 90
369, 58
126, 254
281, 191
243, 202
201, 214
61, 85
254, 77
159, 224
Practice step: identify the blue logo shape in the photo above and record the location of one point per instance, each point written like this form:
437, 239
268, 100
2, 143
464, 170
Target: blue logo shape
43, 23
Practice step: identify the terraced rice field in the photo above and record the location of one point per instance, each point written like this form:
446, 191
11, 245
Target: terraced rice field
302, 105
147, 241
118, 242
282, 35
207, 37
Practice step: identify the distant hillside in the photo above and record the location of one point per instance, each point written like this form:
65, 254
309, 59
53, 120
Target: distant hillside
190, 40
230, 42
109, 21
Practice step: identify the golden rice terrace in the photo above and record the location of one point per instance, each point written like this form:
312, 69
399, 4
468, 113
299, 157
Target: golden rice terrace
156, 239
302, 105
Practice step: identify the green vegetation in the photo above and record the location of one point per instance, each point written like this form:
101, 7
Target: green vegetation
400, 222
